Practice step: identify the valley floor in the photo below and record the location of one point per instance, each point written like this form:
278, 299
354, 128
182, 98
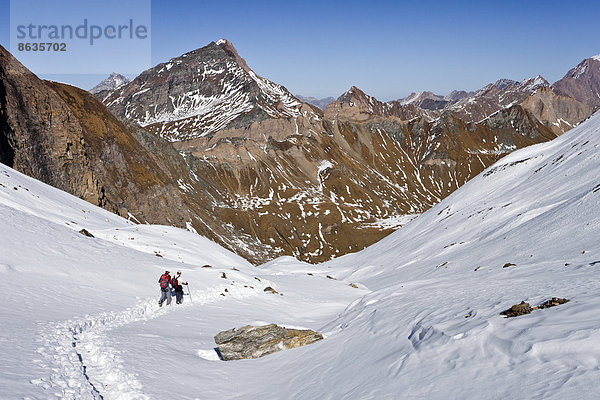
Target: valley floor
81, 321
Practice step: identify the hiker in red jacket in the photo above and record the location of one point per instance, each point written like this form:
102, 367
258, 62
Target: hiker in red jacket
165, 290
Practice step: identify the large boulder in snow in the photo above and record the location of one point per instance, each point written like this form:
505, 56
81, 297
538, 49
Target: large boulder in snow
257, 341
517, 310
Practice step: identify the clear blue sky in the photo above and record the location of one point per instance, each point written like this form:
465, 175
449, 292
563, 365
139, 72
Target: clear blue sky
387, 48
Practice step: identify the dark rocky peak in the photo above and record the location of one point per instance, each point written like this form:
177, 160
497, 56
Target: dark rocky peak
203, 92
582, 82
10, 65
230, 50
355, 96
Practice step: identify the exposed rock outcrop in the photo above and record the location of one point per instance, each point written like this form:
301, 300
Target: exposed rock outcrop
559, 113
66, 138
517, 310
258, 341
524, 308
582, 82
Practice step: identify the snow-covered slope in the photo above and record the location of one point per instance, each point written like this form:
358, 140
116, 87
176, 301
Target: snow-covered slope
431, 327
80, 318
424, 322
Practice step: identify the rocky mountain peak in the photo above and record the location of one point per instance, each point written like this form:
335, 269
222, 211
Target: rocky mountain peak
502, 84
200, 93
582, 82
355, 96
8, 63
417, 97
231, 51
532, 84
113, 81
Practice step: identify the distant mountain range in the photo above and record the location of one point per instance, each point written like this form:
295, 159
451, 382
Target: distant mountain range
321, 103
241, 160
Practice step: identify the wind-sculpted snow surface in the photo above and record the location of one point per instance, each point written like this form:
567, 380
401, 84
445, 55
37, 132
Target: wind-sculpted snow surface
416, 315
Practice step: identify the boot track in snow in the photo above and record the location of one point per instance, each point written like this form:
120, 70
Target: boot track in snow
82, 363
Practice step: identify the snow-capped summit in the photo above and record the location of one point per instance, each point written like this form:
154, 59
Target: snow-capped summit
532, 84
113, 81
504, 83
495, 96
200, 93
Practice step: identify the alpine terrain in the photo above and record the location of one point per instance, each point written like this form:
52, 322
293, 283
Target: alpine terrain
416, 315
318, 184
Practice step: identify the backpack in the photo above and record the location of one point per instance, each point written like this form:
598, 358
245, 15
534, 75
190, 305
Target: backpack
174, 283
164, 281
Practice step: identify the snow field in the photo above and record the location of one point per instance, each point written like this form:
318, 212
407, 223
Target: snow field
80, 318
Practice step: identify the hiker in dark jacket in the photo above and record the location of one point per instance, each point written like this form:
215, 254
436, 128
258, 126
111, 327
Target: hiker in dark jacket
165, 290
177, 283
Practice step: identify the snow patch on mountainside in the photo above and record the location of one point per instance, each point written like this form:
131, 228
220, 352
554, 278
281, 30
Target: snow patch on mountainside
209, 89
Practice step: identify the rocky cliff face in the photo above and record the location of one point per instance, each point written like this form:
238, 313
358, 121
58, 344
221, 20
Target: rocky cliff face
202, 92
66, 138
582, 82
40, 136
559, 113
63, 136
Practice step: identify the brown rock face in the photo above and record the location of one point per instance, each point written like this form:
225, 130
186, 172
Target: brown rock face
557, 112
63, 136
582, 82
311, 184
517, 310
341, 186
40, 136
66, 138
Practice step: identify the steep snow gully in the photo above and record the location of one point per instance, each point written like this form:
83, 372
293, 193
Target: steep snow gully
82, 362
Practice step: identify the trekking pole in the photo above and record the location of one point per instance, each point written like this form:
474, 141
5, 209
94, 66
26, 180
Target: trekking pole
189, 293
